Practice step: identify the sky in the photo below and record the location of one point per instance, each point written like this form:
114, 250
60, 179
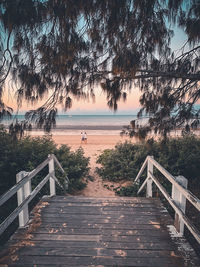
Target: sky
99, 106
131, 106
85, 107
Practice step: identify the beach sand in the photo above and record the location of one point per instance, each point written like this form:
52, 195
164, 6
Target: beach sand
94, 147
94, 141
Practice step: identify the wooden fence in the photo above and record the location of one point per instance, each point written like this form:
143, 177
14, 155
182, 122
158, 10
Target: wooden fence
25, 194
178, 196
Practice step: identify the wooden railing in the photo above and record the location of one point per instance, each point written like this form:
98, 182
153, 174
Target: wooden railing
25, 194
178, 197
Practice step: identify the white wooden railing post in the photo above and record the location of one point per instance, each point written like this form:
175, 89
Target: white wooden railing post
51, 180
149, 181
22, 194
180, 201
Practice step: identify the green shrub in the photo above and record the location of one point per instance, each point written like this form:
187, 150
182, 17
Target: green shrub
120, 163
127, 191
75, 165
179, 156
27, 153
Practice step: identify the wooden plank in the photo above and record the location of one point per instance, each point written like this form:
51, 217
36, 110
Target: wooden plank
80, 197
109, 205
101, 208
131, 222
103, 237
101, 221
97, 225
102, 213
102, 203
125, 239
89, 261
104, 219
94, 231
91, 244
122, 200
113, 216
76, 238
104, 209
82, 251
78, 210
123, 224
130, 207
113, 201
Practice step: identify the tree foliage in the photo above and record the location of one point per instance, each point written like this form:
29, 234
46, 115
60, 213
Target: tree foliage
64, 49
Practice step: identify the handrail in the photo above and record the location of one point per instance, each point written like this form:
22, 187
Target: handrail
16, 212
27, 178
59, 165
61, 168
144, 165
195, 232
24, 194
141, 170
192, 198
178, 198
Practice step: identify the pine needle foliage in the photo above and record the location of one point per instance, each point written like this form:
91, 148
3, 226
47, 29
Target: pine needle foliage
56, 51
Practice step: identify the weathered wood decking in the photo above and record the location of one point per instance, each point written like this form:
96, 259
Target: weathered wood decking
80, 231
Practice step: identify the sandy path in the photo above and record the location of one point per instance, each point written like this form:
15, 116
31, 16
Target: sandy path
95, 188
94, 147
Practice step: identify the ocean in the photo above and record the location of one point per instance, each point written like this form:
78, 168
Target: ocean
93, 124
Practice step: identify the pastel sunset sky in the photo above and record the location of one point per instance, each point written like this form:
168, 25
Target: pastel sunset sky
99, 106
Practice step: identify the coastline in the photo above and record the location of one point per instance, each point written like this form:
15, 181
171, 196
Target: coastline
77, 132
99, 141
87, 127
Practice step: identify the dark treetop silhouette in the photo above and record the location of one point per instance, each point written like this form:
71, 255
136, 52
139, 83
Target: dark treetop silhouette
66, 47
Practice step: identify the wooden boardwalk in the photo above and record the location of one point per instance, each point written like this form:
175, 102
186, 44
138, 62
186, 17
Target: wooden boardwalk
80, 231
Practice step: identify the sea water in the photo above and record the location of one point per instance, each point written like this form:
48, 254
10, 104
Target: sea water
93, 124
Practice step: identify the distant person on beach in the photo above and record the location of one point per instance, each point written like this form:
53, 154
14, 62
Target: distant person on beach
85, 138
82, 137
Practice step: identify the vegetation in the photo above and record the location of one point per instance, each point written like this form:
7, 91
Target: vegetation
120, 163
75, 165
28, 153
179, 156
64, 48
